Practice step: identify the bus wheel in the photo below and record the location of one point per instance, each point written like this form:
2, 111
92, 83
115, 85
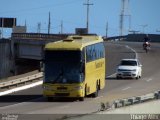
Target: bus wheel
81, 99
50, 99
95, 94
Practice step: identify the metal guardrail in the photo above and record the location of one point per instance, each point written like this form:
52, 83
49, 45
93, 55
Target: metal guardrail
130, 101
20, 80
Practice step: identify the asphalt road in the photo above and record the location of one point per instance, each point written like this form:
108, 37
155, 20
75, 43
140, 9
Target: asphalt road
31, 101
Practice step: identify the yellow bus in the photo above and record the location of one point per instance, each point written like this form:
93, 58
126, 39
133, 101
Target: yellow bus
74, 67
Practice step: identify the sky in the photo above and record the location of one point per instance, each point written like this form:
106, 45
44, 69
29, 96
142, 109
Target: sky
73, 15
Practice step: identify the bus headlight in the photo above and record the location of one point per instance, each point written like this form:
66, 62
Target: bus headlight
78, 88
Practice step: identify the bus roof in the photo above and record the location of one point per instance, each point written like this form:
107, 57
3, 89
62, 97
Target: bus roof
75, 42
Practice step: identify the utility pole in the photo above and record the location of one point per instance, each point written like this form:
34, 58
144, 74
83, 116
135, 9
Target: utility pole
106, 29
49, 23
0, 34
129, 22
25, 24
124, 12
61, 27
122, 17
39, 28
2, 28
87, 21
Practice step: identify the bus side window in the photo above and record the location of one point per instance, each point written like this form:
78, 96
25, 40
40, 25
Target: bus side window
82, 66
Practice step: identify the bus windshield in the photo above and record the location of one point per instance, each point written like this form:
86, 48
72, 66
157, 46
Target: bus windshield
63, 67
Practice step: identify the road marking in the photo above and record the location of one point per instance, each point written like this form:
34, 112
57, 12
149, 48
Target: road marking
111, 75
21, 88
63, 107
136, 54
126, 88
99, 97
149, 80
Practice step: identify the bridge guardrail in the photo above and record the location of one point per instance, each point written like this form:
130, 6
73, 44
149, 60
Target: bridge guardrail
130, 101
21, 80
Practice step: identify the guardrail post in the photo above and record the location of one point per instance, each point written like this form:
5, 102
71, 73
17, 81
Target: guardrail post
131, 101
122, 103
138, 99
108, 105
116, 104
102, 106
157, 95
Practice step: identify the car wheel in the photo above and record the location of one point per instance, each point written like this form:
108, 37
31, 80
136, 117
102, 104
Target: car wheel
117, 77
138, 77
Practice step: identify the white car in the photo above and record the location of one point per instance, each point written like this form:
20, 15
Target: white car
129, 68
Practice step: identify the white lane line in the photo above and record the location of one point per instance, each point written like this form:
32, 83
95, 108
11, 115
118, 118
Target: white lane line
126, 88
149, 80
136, 54
21, 88
99, 97
111, 75
63, 107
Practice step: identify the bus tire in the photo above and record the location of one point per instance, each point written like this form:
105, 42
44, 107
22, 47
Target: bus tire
50, 99
95, 94
81, 99
99, 85
85, 91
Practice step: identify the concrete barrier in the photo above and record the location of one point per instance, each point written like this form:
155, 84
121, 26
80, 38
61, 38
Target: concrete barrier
130, 101
21, 80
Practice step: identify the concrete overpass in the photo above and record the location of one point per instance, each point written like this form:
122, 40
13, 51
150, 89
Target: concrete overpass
30, 45
27, 50
135, 38
116, 38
